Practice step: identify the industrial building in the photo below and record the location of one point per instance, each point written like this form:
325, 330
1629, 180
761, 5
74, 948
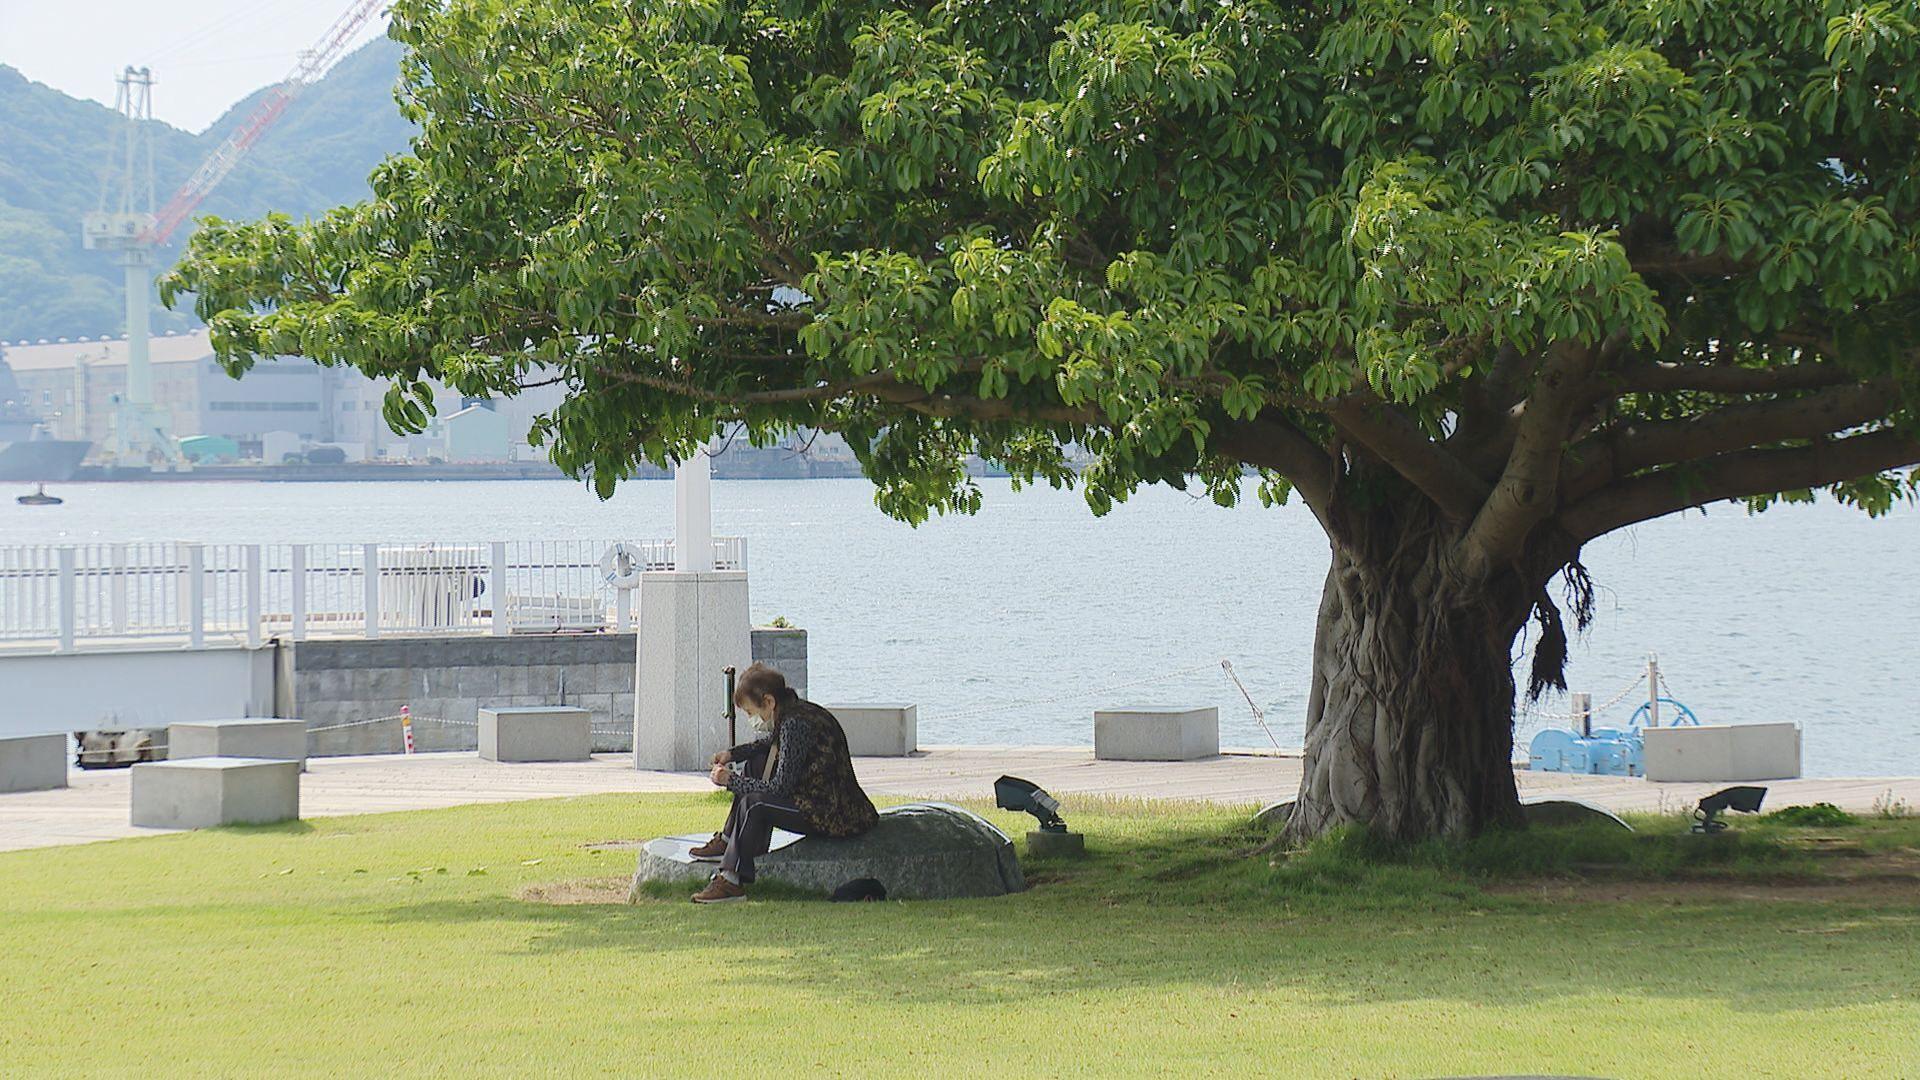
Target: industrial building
77, 385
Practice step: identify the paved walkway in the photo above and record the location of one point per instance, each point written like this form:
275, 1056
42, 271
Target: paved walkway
95, 807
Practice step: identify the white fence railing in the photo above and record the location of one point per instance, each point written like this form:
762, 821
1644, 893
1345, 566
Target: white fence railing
69, 595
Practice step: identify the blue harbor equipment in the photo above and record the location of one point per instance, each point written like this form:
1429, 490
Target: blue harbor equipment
1604, 751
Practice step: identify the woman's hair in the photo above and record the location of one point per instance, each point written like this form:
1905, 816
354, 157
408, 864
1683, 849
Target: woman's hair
760, 681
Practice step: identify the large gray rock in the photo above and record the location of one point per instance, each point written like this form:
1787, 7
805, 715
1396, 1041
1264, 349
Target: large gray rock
1555, 811
920, 851
1274, 815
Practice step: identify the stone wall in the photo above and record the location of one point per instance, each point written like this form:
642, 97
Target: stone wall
785, 650
333, 683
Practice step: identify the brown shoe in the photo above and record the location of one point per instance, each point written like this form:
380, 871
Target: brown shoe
711, 850
719, 891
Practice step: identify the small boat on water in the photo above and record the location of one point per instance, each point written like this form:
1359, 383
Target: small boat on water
39, 498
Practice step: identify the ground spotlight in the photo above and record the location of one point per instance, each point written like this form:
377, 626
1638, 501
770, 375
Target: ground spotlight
1013, 793
1051, 840
1746, 800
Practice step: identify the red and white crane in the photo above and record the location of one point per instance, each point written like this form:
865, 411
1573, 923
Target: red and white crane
313, 64
127, 224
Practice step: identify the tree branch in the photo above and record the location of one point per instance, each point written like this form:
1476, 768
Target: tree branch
933, 403
1400, 443
1726, 379
1528, 490
1745, 474
1627, 450
1271, 441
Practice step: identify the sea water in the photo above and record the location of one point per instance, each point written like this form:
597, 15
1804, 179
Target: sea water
1013, 625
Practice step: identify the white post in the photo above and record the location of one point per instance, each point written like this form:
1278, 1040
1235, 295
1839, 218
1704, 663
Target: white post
1583, 713
370, 592
693, 625
68, 589
196, 595
252, 562
1653, 690
117, 589
693, 514
623, 610
497, 585
297, 590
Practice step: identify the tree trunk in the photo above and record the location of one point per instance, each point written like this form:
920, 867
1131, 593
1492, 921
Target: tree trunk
1410, 720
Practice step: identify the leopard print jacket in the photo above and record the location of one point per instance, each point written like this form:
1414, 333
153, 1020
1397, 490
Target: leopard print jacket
812, 770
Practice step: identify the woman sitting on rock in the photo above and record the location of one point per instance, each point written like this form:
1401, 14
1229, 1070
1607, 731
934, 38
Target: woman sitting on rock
797, 777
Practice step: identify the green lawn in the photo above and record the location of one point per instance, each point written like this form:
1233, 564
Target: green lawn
400, 944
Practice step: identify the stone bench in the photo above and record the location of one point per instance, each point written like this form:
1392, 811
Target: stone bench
33, 762
536, 733
1722, 752
249, 737
920, 851
1148, 733
201, 792
879, 730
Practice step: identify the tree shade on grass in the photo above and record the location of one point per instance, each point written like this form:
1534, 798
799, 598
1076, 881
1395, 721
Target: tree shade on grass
395, 945
1479, 284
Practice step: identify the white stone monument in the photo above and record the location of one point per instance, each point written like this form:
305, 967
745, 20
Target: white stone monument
693, 625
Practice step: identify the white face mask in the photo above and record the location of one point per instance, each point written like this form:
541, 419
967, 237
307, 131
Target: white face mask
759, 725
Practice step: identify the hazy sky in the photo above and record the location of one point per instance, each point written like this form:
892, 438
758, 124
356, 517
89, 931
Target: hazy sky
205, 54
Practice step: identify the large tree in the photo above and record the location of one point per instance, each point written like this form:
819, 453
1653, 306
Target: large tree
1477, 282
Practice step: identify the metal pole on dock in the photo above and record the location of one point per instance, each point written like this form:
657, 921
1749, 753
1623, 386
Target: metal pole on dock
1583, 712
1653, 690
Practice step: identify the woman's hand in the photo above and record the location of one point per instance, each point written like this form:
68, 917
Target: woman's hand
718, 776
724, 757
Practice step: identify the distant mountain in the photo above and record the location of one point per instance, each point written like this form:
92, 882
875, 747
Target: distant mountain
53, 149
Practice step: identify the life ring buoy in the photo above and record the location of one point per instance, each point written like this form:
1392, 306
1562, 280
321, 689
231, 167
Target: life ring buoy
621, 566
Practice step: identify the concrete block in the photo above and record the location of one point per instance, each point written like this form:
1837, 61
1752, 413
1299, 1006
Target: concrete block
328, 685
536, 733
33, 762
546, 680
609, 679
250, 737
772, 643
201, 792
879, 730
601, 706
1723, 752
472, 682
513, 682
1152, 733
784, 649
386, 683
1042, 844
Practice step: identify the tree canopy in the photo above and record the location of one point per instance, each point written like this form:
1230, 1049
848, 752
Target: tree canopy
1518, 274
1186, 236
